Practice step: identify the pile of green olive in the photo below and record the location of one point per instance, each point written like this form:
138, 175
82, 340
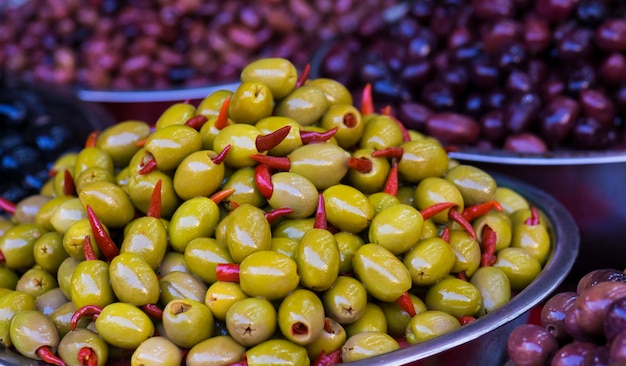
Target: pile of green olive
274, 224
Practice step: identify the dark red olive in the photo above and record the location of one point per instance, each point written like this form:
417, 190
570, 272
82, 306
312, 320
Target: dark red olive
453, 128
553, 314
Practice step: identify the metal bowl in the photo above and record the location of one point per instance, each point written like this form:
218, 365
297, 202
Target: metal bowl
588, 184
483, 341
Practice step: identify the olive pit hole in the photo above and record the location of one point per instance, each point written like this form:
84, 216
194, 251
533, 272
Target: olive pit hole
180, 307
299, 328
349, 120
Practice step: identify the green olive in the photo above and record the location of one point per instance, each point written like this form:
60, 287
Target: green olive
248, 231
366, 345
429, 230
49, 252
345, 300
373, 180
171, 144
372, 320
187, 322
6, 224
194, 218
301, 316
8, 279
110, 203
141, 187
433, 190
396, 228
31, 330
133, 280
120, 140
293, 228
397, 318
64, 274
26, 209
332, 337
317, 258
467, 252
221, 296
11, 304
268, 274
242, 140
422, 159
202, 255
334, 91
406, 195
382, 273
347, 119
90, 284
347, 208
519, 265
534, 238
382, 200
215, 351
293, 139
284, 246
90, 157
246, 191
157, 351
430, 324
499, 223
294, 191
251, 101
197, 175
475, 185
210, 106
175, 114
305, 104
91, 175
429, 261
494, 288
72, 342
510, 200
172, 262
74, 239
50, 300
279, 74
348, 244
381, 132
17, 245
181, 285
323, 164
454, 296
124, 319
36, 282
62, 316
147, 237
251, 321
277, 352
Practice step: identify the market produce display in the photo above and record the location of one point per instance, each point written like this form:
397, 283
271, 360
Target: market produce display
257, 226
583, 327
523, 76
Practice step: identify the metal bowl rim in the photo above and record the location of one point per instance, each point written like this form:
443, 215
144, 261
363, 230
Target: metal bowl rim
147, 96
555, 158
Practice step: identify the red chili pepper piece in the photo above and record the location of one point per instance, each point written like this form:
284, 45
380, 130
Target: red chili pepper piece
141, 142
219, 196
390, 152
406, 303
466, 319
196, 122
87, 357
92, 138
451, 148
222, 116
488, 245
277, 162
303, 76
472, 212
148, 166
154, 210
456, 217
222, 155
271, 140
90, 255
7, 206
361, 165
263, 180
46, 354
461, 276
104, 241
388, 111
431, 211
367, 101
349, 120
243, 362
320, 214
87, 310
69, 189
534, 218
227, 272
327, 327
391, 185
445, 234
332, 358
310, 137
153, 310
299, 328
2, 258
277, 213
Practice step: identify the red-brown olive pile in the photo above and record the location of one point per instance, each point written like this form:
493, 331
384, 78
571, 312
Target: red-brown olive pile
582, 327
274, 221
525, 76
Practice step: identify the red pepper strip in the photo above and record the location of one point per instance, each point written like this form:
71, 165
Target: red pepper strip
154, 210
406, 303
92, 138
46, 354
153, 310
7, 206
141, 142
391, 185
472, 212
461, 276
466, 319
299, 328
2, 258
361, 165
243, 362
196, 122
390, 152
488, 246
431, 211
69, 189
367, 101
52, 173
534, 218
87, 357
90, 255
455, 216
219, 196
263, 180
349, 120
303, 76
388, 111
277, 162
451, 148
222, 117
222, 155
87, 310
104, 241
148, 166
332, 358
277, 213
327, 326
310, 137
227, 272
445, 234
320, 214
272, 139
